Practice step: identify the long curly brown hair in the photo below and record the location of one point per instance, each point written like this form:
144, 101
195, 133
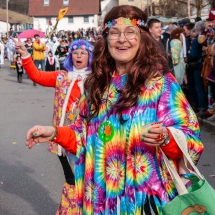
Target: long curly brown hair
144, 65
176, 33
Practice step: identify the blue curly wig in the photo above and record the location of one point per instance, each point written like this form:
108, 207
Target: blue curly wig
80, 44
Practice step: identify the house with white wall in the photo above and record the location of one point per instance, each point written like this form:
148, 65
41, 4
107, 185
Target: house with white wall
80, 14
106, 6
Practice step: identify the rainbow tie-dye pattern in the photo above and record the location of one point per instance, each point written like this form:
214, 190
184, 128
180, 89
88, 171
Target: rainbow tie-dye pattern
120, 174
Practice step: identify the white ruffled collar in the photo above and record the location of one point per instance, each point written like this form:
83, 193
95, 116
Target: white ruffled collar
78, 73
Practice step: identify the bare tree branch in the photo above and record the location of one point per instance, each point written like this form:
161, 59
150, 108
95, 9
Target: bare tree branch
186, 3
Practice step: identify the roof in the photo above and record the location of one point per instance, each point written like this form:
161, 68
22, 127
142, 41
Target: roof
76, 7
14, 17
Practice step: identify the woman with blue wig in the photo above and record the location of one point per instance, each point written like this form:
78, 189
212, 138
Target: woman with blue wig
68, 90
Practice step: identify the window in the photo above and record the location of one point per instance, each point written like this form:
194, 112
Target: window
48, 19
46, 2
65, 2
70, 19
86, 19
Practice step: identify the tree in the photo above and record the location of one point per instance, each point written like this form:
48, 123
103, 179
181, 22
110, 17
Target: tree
212, 3
198, 5
19, 6
170, 8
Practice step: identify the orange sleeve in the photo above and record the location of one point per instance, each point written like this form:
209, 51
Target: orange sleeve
47, 79
171, 149
66, 138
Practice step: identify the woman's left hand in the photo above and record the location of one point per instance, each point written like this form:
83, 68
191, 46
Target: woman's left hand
155, 136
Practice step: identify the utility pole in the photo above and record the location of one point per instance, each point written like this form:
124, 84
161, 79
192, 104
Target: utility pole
148, 7
7, 14
188, 8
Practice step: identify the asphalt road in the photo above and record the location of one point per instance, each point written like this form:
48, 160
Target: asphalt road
31, 180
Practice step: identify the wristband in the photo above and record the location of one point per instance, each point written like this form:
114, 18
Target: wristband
27, 56
166, 141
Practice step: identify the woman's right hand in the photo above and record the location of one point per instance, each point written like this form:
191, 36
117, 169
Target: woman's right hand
19, 46
39, 134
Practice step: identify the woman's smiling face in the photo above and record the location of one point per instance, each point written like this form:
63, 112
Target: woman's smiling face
123, 42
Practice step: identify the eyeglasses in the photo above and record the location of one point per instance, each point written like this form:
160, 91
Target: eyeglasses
130, 33
81, 53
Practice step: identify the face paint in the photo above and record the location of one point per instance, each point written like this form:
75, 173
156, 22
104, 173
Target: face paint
135, 39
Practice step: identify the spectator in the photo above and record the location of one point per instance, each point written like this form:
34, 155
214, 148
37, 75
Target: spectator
38, 53
155, 29
195, 68
176, 45
166, 43
187, 28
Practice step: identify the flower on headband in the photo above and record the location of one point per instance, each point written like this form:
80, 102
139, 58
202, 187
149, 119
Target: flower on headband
74, 47
127, 21
143, 23
133, 21
109, 24
120, 21
139, 22
114, 22
83, 47
90, 49
106, 25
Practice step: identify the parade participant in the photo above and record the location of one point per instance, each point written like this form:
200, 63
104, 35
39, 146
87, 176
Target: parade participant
206, 36
29, 45
61, 51
119, 167
1, 53
50, 62
10, 50
19, 69
176, 46
38, 53
68, 89
52, 45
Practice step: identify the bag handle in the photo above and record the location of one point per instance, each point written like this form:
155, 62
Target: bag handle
181, 141
182, 144
175, 176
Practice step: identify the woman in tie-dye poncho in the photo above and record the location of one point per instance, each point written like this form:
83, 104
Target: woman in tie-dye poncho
119, 168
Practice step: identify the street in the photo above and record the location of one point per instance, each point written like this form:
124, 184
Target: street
31, 180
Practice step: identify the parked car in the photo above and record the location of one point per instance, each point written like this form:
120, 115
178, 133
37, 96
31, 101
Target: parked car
16, 32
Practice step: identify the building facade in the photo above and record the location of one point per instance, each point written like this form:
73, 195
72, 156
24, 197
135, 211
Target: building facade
106, 6
80, 14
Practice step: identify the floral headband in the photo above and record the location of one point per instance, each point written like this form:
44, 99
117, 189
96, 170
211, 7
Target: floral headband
83, 47
127, 21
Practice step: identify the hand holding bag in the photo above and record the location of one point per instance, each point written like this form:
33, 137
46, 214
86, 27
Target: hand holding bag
199, 198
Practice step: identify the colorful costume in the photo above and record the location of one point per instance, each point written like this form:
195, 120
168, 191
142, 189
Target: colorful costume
1, 53
19, 70
50, 63
68, 89
124, 175
177, 58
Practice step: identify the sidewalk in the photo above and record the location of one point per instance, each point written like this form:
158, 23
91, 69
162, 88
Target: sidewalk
207, 124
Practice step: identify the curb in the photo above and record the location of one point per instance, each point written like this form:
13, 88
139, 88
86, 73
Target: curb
206, 123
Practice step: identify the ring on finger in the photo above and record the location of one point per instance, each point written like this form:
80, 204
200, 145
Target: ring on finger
160, 138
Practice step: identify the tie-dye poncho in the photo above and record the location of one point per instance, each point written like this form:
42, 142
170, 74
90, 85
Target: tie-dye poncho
119, 176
